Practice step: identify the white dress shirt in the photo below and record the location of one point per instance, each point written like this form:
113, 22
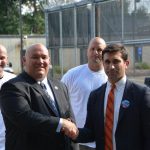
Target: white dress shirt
119, 90
49, 91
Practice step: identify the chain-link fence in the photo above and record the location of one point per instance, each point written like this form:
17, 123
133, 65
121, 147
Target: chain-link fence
69, 29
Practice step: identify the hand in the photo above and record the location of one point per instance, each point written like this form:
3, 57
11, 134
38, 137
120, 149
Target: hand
69, 129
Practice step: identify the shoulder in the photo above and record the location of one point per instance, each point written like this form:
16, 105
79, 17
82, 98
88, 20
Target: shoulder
6, 77
8, 69
96, 95
137, 88
76, 69
56, 83
100, 90
9, 75
19, 82
132, 84
73, 72
58, 86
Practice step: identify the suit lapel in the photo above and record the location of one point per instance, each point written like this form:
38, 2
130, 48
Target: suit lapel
39, 89
61, 100
101, 107
126, 100
57, 96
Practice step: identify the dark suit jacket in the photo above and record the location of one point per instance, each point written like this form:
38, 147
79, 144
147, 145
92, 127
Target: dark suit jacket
133, 128
30, 122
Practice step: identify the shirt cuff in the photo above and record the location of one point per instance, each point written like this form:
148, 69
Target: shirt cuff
59, 125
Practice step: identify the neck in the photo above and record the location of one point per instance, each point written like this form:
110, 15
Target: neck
95, 67
1, 75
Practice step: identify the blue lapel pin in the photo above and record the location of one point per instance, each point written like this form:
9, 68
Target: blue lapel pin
125, 103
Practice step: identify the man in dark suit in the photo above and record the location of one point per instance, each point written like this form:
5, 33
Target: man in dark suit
36, 118
131, 111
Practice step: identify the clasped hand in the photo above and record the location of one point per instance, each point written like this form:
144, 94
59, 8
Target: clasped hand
69, 129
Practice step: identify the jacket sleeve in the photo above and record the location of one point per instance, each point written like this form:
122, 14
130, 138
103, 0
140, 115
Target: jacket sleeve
86, 133
145, 119
17, 110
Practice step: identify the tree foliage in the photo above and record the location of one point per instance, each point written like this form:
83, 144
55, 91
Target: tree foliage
32, 21
8, 17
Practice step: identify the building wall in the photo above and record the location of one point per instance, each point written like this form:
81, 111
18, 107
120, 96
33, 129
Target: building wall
70, 57
12, 43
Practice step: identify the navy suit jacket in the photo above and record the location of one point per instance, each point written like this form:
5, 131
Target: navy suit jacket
133, 128
29, 119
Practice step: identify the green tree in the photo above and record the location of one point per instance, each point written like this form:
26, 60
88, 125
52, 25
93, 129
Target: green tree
32, 21
9, 15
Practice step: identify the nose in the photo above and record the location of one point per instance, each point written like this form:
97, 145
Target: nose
112, 66
40, 60
96, 51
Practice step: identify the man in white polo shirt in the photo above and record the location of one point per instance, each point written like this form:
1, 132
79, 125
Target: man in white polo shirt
83, 79
4, 76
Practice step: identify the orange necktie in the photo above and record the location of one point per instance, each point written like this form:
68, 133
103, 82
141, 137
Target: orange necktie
109, 119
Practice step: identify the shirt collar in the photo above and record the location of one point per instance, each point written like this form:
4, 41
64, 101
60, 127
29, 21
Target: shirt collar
119, 84
43, 81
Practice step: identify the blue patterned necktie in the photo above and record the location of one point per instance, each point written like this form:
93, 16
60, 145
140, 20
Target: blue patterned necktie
52, 102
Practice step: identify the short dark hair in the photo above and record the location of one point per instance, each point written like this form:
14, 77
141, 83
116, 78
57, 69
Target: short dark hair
117, 47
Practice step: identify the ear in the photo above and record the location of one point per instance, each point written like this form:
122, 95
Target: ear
6, 61
127, 63
23, 60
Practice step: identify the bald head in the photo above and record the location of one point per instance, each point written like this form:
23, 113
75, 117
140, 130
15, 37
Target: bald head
3, 49
3, 59
37, 61
94, 53
97, 40
33, 47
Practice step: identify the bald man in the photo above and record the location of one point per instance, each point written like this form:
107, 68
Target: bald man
82, 79
4, 76
36, 110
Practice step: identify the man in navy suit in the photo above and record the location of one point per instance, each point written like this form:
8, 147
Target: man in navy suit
36, 118
131, 121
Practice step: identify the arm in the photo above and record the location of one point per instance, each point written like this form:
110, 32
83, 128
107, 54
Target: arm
18, 110
67, 120
86, 134
145, 119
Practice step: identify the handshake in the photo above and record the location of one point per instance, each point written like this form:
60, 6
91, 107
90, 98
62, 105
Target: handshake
69, 129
